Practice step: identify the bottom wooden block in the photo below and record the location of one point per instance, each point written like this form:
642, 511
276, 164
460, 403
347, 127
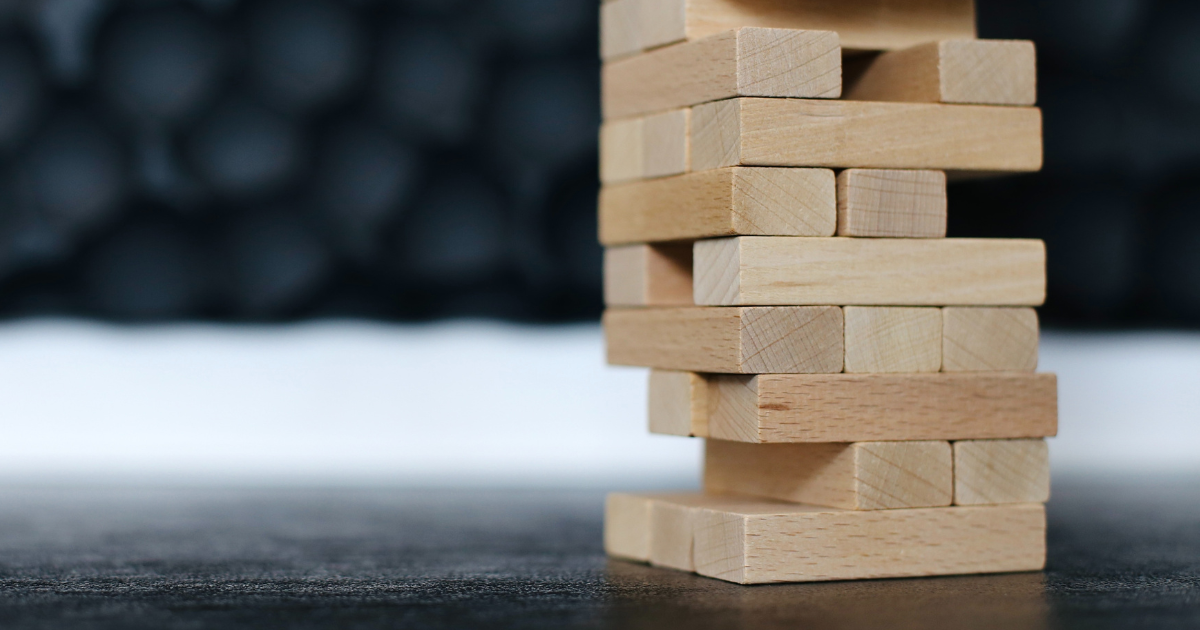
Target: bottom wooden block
753, 541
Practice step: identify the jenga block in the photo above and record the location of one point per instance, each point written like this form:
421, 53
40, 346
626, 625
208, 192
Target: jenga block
1001, 471
641, 148
648, 275
984, 72
720, 202
858, 476
743, 62
678, 403
891, 203
989, 339
786, 340
776, 270
893, 339
870, 25
856, 134
627, 526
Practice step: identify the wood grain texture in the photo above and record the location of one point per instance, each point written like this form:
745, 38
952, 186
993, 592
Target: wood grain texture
886, 339
744, 62
983, 72
891, 203
857, 134
858, 476
648, 275
989, 339
778, 270
1001, 471
677, 403
646, 147
627, 526
720, 202
788, 340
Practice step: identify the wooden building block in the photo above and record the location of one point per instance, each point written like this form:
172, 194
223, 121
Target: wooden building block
883, 339
781, 270
720, 202
744, 62
891, 203
788, 340
1001, 471
627, 526
989, 339
641, 148
678, 403
857, 134
858, 476
648, 275
862, 25
984, 72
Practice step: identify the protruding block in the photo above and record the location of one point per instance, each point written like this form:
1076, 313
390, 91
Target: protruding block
720, 202
649, 275
789, 340
647, 147
1001, 471
627, 526
891, 203
984, 72
883, 339
859, 476
989, 339
777, 270
748, 61
678, 403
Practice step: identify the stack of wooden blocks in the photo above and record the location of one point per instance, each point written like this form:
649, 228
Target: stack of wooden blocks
774, 212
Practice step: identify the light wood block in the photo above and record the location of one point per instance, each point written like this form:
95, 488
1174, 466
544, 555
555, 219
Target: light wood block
649, 275
754, 541
891, 203
678, 403
856, 134
627, 526
858, 476
647, 147
893, 339
1001, 471
780, 270
744, 62
720, 202
989, 339
863, 25
984, 72
789, 340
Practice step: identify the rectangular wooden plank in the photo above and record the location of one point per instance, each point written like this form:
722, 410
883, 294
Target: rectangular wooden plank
748, 61
989, 339
884, 339
646, 147
783, 270
891, 203
788, 340
720, 202
649, 275
988, 472
858, 134
677, 403
982, 72
857, 476
627, 526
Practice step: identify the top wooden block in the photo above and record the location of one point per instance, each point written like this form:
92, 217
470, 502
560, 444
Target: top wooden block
980, 71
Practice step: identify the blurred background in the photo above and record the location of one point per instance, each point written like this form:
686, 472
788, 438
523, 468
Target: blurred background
410, 186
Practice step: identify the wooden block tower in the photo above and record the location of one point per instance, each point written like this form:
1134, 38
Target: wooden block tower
774, 215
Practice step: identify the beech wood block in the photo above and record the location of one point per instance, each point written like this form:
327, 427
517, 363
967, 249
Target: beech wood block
978, 71
858, 134
649, 275
781, 270
627, 526
989, 339
808, 408
755, 541
629, 26
891, 203
642, 148
1001, 471
788, 340
883, 339
858, 476
744, 62
720, 202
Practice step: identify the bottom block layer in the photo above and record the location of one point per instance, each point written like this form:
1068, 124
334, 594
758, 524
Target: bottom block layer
752, 541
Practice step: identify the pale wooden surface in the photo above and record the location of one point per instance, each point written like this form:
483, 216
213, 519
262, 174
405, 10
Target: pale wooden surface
744, 62
620, 28
983, 72
720, 202
785, 340
627, 526
856, 134
989, 339
858, 476
780, 270
891, 203
1001, 471
648, 275
885, 339
677, 403
646, 147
